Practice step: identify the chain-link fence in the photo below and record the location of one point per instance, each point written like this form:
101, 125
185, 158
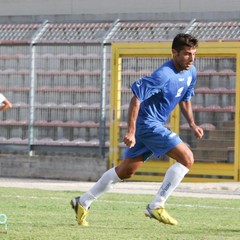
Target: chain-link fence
58, 78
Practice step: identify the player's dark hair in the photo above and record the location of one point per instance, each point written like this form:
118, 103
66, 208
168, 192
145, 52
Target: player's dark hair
184, 40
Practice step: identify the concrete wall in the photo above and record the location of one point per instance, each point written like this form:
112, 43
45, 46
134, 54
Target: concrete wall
83, 168
52, 7
95, 10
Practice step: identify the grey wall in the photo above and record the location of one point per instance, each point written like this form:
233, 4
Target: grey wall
49, 7
83, 168
80, 10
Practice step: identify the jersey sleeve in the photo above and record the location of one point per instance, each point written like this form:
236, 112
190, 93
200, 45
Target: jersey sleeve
2, 98
190, 92
147, 86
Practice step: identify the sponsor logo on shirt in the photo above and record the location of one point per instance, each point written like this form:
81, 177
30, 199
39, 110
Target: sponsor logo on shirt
181, 79
172, 135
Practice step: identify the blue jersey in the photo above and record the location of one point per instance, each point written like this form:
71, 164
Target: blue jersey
161, 92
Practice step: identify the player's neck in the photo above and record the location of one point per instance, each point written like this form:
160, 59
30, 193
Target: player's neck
177, 66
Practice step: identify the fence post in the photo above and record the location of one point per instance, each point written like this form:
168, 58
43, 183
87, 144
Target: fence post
35, 38
103, 88
237, 122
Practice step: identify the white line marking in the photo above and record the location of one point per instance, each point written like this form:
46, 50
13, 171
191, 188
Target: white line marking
127, 202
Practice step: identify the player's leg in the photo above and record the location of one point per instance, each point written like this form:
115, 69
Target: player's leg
184, 157
114, 175
174, 175
182, 154
127, 168
124, 170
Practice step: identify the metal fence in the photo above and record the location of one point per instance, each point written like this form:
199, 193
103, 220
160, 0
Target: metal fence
213, 103
215, 107
58, 78
58, 82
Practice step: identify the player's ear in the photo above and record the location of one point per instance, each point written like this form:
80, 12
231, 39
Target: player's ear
174, 52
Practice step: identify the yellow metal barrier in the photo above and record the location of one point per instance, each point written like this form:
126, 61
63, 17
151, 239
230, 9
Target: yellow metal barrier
155, 170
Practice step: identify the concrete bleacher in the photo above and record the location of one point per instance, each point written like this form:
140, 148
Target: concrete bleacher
59, 100
67, 95
219, 139
14, 61
69, 78
67, 101
68, 81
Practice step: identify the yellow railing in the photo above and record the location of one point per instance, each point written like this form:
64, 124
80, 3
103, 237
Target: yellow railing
154, 170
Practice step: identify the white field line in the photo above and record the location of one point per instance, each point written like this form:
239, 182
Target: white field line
176, 205
127, 202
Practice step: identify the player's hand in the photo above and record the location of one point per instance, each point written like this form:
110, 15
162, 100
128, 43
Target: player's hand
129, 140
198, 132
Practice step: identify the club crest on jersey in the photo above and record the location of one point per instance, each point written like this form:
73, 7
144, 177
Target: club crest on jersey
189, 80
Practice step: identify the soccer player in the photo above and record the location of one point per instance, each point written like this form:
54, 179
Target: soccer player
4, 103
154, 98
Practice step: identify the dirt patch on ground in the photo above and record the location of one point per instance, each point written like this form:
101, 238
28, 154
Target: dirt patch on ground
210, 190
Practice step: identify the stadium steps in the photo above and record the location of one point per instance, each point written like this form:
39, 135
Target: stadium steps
229, 125
210, 155
221, 134
213, 143
218, 147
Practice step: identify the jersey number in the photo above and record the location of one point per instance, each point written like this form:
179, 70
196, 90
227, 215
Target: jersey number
179, 92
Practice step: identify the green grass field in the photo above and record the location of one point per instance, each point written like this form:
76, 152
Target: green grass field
46, 215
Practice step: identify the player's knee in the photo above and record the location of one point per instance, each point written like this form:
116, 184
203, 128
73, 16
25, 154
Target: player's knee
189, 160
128, 174
124, 173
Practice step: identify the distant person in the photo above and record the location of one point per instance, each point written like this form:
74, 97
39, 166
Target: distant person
154, 98
4, 103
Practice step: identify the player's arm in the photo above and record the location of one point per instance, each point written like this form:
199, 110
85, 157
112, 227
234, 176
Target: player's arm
129, 138
5, 105
186, 109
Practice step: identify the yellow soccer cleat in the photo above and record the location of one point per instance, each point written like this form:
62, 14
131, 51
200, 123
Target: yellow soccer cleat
81, 213
161, 215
